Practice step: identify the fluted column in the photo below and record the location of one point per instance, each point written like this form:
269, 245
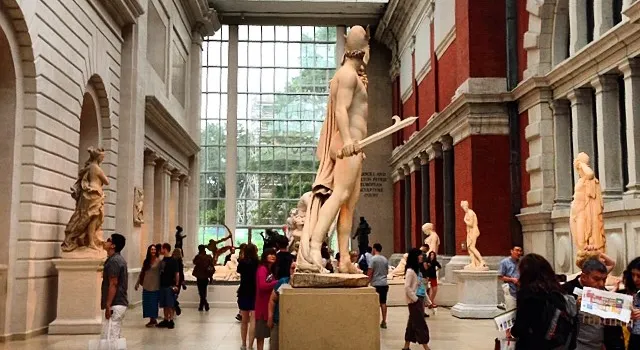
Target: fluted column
563, 162
426, 187
577, 25
582, 123
449, 205
149, 199
161, 205
173, 201
183, 203
631, 71
407, 208
608, 136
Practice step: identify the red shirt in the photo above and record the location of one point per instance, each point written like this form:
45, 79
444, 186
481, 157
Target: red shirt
263, 293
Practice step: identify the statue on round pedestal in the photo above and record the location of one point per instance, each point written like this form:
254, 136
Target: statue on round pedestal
585, 220
83, 234
471, 220
336, 188
431, 238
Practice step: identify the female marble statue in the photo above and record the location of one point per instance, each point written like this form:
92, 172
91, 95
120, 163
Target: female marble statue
85, 226
586, 223
471, 220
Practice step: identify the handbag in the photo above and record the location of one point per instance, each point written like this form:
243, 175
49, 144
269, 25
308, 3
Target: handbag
108, 344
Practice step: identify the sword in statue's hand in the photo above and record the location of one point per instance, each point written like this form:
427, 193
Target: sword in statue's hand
398, 124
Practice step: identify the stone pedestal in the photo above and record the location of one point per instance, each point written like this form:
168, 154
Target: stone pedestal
477, 294
79, 282
458, 262
329, 318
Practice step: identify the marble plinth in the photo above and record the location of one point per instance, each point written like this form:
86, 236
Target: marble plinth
329, 318
458, 262
79, 282
328, 280
477, 294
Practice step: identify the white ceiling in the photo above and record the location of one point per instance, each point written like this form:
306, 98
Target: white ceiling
299, 11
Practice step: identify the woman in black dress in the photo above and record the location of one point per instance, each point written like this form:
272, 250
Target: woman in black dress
247, 268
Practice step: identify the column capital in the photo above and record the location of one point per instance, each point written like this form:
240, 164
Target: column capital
424, 158
434, 150
185, 180
447, 143
577, 96
630, 67
197, 38
605, 82
414, 164
150, 157
167, 168
397, 175
561, 107
175, 175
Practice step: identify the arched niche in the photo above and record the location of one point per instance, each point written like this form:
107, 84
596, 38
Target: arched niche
561, 33
89, 125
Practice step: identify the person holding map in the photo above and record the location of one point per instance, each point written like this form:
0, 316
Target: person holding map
593, 334
632, 287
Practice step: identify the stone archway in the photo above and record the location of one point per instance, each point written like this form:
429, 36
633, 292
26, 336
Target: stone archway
17, 87
539, 37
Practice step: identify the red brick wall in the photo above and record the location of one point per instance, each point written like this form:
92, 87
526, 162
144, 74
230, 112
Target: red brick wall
487, 28
436, 209
525, 182
416, 208
427, 98
462, 53
523, 26
398, 216
408, 110
448, 69
482, 178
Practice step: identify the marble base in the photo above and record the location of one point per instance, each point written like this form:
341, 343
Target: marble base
458, 262
328, 280
477, 294
79, 282
329, 318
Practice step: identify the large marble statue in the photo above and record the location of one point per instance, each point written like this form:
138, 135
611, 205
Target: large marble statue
431, 238
398, 271
336, 188
362, 234
471, 220
228, 272
585, 220
84, 230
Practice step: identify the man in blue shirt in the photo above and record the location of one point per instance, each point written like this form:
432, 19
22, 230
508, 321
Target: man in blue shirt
508, 273
274, 307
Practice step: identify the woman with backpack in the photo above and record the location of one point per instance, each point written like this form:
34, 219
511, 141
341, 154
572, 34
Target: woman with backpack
539, 297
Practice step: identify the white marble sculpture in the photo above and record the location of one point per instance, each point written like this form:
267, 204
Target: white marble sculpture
431, 238
585, 219
398, 272
138, 206
473, 232
228, 272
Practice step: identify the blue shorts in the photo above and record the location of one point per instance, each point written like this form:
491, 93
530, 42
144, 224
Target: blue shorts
166, 298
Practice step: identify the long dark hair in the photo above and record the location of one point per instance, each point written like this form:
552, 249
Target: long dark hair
413, 261
265, 254
629, 285
435, 257
251, 253
146, 264
537, 275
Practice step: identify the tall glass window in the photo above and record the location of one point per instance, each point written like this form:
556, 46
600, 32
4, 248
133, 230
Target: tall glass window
283, 83
213, 135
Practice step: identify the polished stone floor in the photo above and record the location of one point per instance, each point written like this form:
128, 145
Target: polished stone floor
218, 330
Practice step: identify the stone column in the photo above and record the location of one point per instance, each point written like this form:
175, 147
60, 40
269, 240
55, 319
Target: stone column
173, 202
582, 123
183, 203
407, 208
631, 71
426, 187
563, 160
148, 191
193, 199
608, 136
577, 25
448, 184
161, 205
232, 133
603, 17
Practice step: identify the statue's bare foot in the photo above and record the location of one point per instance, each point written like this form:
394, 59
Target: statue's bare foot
348, 268
307, 267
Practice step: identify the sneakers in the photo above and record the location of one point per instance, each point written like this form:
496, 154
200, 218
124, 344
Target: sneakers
243, 347
151, 324
239, 317
206, 307
383, 325
163, 324
200, 308
171, 325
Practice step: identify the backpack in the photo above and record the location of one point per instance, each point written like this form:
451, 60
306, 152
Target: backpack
363, 265
561, 316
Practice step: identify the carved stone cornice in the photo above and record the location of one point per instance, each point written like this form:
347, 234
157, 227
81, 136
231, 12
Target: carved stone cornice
434, 150
156, 114
124, 12
150, 157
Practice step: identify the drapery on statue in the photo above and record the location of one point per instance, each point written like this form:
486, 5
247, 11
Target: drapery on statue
585, 220
337, 184
471, 220
84, 229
